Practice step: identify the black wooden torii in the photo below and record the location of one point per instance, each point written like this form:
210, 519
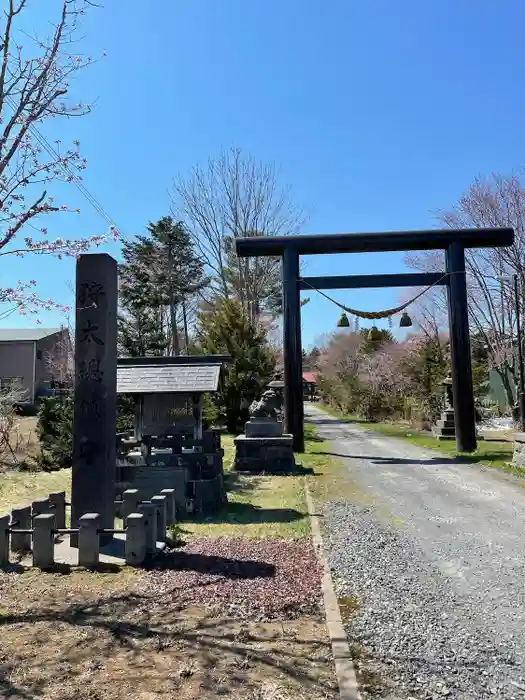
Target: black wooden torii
452, 241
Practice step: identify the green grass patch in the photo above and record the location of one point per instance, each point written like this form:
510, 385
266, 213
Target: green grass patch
348, 606
490, 453
258, 505
20, 488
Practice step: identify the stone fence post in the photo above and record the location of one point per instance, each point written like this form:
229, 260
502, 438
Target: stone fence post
44, 541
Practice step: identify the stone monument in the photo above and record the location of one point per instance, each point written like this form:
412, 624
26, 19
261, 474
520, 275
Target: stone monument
94, 422
446, 426
264, 447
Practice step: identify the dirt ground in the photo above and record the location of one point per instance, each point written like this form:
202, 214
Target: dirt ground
100, 636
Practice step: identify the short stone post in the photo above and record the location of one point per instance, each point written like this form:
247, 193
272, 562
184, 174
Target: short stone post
149, 510
41, 507
171, 506
21, 520
58, 506
44, 541
89, 540
4, 540
130, 503
162, 526
136, 546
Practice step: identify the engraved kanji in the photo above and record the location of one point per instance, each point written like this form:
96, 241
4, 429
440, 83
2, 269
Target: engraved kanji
90, 409
89, 334
90, 371
89, 293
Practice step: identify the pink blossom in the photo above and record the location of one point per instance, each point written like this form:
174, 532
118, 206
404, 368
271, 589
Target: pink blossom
32, 167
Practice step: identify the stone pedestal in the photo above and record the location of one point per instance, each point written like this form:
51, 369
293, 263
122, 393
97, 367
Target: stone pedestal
263, 427
446, 426
264, 454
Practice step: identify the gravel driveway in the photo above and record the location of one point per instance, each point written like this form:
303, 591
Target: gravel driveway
432, 556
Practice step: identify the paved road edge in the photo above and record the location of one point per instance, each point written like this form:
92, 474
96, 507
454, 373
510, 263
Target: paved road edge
344, 666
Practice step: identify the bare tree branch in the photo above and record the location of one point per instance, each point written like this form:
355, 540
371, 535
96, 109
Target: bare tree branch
34, 84
233, 197
498, 201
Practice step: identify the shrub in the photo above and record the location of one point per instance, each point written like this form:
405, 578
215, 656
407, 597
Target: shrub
55, 429
225, 329
125, 413
55, 432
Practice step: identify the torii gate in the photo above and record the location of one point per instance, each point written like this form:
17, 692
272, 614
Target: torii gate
452, 241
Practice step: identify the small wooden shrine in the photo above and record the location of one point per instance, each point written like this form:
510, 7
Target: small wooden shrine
169, 392
168, 447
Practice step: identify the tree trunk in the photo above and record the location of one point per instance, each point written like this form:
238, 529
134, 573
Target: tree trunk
507, 384
185, 321
174, 328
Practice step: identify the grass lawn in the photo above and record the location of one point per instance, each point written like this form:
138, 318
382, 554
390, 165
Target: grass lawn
490, 453
259, 506
21, 488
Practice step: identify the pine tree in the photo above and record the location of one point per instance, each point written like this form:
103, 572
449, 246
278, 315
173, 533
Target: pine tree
141, 332
224, 329
160, 272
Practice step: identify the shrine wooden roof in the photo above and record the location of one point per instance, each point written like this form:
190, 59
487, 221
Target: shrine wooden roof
168, 378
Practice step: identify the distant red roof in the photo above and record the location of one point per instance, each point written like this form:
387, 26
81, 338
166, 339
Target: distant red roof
309, 377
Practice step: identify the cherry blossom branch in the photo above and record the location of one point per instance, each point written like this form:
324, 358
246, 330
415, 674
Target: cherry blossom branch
34, 88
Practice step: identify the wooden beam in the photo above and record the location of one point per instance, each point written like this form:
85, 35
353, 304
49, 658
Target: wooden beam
462, 385
434, 239
411, 279
292, 347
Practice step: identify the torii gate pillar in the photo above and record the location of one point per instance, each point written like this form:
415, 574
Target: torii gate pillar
292, 346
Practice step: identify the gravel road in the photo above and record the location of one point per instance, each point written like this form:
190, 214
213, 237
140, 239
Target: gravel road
432, 555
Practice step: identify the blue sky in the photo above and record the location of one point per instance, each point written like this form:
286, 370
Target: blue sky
378, 113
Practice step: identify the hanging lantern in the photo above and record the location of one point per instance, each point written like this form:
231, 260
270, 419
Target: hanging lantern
405, 321
374, 334
343, 321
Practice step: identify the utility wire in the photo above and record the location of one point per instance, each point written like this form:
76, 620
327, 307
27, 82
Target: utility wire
42, 140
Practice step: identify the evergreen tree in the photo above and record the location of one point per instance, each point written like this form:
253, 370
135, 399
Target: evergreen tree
224, 329
160, 272
141, 332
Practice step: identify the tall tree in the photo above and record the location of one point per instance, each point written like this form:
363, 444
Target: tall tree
498, 201
35, 76
160, 273
141, 333
224, 329
235, 196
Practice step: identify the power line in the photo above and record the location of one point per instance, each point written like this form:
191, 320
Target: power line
42, 140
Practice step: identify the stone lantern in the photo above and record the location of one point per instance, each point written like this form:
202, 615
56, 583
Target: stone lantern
446, 426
